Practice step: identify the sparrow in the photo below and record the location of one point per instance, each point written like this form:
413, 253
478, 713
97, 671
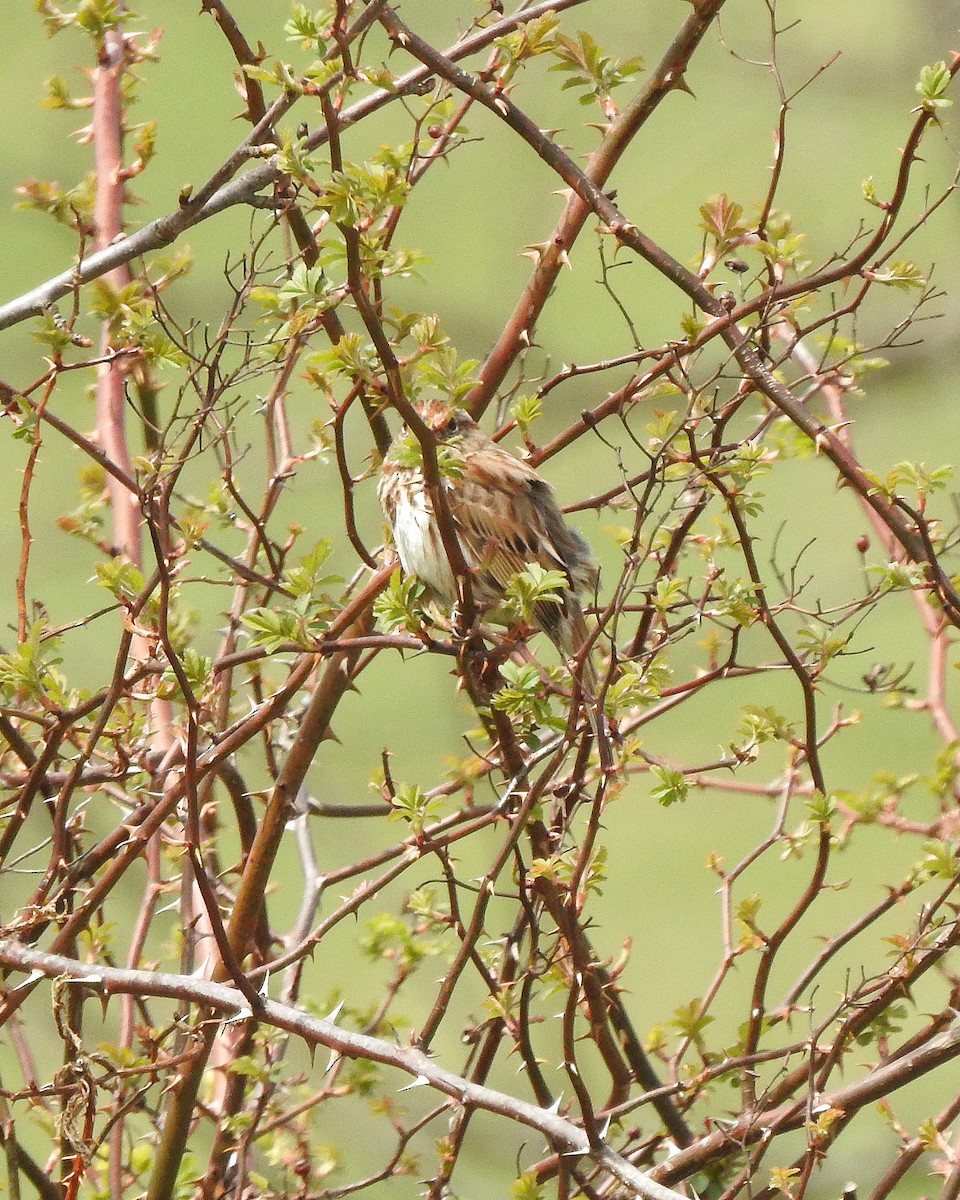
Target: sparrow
504, 515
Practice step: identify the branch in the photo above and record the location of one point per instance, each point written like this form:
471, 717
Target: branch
217, 194
316, 1031
667, 77
722, 309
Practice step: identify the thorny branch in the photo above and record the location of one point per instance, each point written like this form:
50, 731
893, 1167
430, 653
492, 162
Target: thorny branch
188, 812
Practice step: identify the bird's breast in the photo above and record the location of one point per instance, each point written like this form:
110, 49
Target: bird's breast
419, 544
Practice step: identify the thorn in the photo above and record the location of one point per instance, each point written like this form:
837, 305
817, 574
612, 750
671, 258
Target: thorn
30, 980
821, 439
420, 1081
243, 1013
535, 250
334, 1013
679, 84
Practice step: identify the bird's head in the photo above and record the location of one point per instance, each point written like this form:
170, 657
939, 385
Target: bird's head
445, 422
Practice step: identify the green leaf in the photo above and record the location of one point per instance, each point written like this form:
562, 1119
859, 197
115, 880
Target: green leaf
669, 593
672, 788
524, 698
352, 356
532, 586
736, 600
722, 220
764, 724
58, 96
121, 578
885, 1025
50, 331
398, 605
409, 803
306, 578
690, 1020
869, 192
274, 628
692, 326
821, 644
94, 17
305, 283
159, 350
525, 410
781, 1178
305, 27
361, 193
939, 861
901, 274
931, 86
442, 371
821, 808
28, 669
197, 669
590, 68
521, 690
389, 937
525, 1187
898, 576
409, 453
747, 910
637, 686
532, 38
70, 206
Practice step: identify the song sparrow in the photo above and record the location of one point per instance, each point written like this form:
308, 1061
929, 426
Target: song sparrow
504, 514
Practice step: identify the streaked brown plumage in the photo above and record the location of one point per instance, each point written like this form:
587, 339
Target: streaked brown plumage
504, 514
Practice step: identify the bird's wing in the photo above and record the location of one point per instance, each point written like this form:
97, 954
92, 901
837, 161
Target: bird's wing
498, 506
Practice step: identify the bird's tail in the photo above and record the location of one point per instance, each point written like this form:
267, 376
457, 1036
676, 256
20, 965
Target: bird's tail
575, 644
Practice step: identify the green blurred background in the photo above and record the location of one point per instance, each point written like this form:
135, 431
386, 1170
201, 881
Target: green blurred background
474, 216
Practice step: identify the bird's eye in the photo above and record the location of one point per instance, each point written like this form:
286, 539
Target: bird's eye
452, 425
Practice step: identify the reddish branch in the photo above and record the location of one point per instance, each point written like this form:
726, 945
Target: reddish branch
667, 76
726, 315
546, 825
107, 136
218, 194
